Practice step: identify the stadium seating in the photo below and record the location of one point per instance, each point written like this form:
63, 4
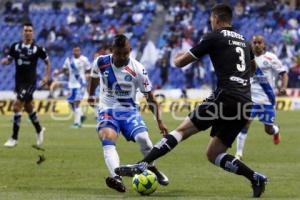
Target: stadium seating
191, 19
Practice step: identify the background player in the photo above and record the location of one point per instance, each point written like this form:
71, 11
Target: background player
226, 111
26, 54
262, 92
76, 66
120, 77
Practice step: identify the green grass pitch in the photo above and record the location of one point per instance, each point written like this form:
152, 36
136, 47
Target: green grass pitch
74, 168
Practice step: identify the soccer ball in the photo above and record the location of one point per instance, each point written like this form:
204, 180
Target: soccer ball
145, 183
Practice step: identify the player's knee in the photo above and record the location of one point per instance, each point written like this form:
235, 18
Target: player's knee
107, 134
144, 141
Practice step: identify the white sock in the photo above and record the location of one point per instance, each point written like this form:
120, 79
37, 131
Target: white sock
275, 129
111, 158
176, 135
240, 143
145, 143
77, 115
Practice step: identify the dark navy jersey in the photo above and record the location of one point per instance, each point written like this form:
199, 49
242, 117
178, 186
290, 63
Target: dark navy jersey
231, 57
26, 57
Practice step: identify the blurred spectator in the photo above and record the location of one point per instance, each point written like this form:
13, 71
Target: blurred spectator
164, 67
7, 7
64, 33
96, 34
5, 50
56, 5
52, 35
95, 23
25, 7
43, 34
80, 5
239, 9
71, 19
294, 73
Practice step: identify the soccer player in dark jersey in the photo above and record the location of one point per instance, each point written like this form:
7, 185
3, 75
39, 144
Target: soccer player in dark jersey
26, 54
226, 110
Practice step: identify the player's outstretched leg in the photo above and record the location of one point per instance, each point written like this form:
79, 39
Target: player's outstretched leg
112, 161
145, 143
161, 148
240, 143
274, 131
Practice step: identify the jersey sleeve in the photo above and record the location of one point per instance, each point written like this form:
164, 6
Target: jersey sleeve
42, 53
277, 65
66, 63
144, 83
203, 47
12, 52
95, 69
87, 64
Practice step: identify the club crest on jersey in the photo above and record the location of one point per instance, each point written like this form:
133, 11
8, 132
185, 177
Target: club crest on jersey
106, 73
29, 52
128, 78
265, 62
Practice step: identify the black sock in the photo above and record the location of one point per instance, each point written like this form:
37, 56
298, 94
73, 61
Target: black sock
16, 125
35, 122
231, 164
165, 145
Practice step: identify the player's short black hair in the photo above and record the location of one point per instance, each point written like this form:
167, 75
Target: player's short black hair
223, 11
120, 41
27, 24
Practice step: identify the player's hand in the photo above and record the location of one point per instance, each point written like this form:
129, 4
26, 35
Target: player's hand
163, 128
281, 91
45, 81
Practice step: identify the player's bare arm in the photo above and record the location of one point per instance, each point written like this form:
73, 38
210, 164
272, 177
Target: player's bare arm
47, 71
284, 82
61, 71
154, 107
183, 59
93, 84
253, 67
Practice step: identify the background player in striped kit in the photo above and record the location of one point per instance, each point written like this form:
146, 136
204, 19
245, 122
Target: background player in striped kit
76, 66
263, 91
